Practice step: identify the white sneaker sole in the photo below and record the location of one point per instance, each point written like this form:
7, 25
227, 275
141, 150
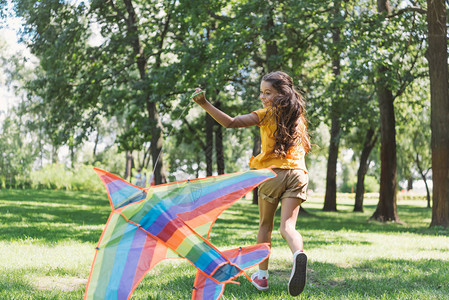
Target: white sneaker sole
259, 287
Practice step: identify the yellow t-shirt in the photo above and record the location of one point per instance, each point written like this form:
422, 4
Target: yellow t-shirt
295, 155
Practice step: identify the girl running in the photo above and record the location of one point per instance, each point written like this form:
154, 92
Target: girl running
285, 143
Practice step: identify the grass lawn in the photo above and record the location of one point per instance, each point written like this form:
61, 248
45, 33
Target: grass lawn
47, 241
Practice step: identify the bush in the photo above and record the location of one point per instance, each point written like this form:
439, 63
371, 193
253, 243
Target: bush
15, 182
58, 177
371, 184
347, 187
86, 179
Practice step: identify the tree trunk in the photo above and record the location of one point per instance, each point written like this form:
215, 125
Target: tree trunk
423, 177
156, 144
209, 143
128, 165
153, 115
97, 139
41, 147
219, 150
146, 157
219, 145
198, 164
256, 150
386, 208
54, 154
330, 198
427, 193
370, 142
410, 183
72, 155
271, 46
439, 95
272, 64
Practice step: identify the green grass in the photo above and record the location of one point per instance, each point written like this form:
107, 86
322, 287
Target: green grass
47, 241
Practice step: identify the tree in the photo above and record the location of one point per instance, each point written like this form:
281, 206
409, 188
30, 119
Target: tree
386, 209
414, 147
330, 198
17, 156
395, 70
134, 30
368, 145
439, 95
422, 159
18, 148
126, 72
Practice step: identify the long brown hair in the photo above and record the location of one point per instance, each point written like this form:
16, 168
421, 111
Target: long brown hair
289, 109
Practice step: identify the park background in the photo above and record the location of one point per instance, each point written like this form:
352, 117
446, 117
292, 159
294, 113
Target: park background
108, 84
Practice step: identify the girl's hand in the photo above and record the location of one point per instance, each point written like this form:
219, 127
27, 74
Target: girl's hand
200, 98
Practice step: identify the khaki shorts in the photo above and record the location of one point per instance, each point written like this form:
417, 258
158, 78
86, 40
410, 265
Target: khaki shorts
289, 183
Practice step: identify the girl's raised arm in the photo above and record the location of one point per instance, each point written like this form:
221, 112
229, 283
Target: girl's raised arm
224, 119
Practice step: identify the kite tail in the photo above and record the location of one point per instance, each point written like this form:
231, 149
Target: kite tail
244, 258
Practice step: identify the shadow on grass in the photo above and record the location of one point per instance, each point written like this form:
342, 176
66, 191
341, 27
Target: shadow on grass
59, 215
52, 216
239, 224
381, 278
348, 220
371, 279
377, 279
55, 197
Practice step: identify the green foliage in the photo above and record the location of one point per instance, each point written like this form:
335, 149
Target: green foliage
59, 177
347, 186
17, 156
57, 35
414, 134
82, 85
371, 184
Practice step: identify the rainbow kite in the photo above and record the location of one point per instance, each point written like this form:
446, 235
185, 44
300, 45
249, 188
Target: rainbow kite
147, 225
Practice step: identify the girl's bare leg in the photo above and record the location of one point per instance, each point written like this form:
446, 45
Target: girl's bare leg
266, 222
289, 215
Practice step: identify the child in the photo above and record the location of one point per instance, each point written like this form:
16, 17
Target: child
284, 144
138, 177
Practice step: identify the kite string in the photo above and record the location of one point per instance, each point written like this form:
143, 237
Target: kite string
169, 134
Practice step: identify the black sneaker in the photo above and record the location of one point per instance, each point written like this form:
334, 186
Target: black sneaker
297, 280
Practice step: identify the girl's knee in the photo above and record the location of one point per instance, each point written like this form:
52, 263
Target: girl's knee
287, 231
266, 227
284, 233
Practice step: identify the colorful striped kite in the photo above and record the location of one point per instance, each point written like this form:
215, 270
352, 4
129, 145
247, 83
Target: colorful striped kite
147, 225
